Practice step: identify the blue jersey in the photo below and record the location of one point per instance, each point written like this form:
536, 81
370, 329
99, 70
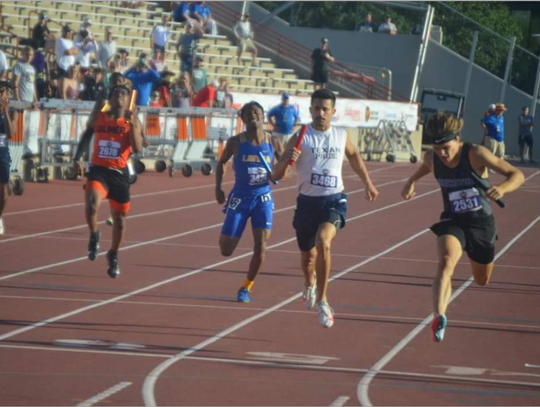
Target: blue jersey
251, 176
495, 126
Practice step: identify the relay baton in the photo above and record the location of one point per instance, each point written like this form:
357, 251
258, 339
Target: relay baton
267, 166
133, 100
299, 140
478, 182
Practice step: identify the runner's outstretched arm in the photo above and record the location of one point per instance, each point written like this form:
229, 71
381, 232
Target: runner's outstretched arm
425, 168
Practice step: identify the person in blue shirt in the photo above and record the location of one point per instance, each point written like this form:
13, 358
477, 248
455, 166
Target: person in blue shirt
283, 118
143, 78
181, 11
7, 131
251, 196
494, 125
525, 122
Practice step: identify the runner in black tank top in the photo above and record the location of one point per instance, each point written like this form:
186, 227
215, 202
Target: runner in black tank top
7, 131
467, 222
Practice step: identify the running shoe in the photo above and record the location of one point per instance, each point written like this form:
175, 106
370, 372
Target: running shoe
93, 245
113, 270
243, 295
2, 231
110, 220
326, 314
438, 325
309, 296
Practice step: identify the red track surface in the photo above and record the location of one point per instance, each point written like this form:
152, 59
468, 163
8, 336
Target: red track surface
169, 331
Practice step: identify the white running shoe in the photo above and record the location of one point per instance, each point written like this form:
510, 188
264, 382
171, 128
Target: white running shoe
1, 226
309, 296
326, 314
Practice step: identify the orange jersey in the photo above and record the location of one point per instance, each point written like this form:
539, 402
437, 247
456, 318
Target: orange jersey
112, 146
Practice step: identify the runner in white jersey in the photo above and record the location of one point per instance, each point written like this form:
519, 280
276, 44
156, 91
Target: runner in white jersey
321, 207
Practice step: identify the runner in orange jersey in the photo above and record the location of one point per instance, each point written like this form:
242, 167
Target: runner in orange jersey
117, 133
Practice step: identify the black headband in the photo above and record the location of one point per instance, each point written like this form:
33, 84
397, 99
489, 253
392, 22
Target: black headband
445, 139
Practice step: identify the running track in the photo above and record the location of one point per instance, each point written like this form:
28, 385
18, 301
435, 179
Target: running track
169, 332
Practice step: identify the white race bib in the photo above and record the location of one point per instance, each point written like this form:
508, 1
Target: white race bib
257, 175
109, 149
324, 180
467, 200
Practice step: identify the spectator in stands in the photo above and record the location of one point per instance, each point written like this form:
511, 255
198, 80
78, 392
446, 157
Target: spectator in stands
180, 11
368, 26
244, 35
157, 61
164, 87
132, 4
490, 111
106, 49
525, 122
41, 32
40, 64
388, 27
187, 45
94, 86
206, 96
283, 118
69, 85
200, 78
3, 65
182, 92
86, 45
24, 77
143, 78
160, 35
155, 99
220, 93
65, 51
229, 100
320, 57
199, 11
86, 24
495, 128
124, 63
210, 27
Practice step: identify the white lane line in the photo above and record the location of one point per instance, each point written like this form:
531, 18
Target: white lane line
104, 395
151, 379
362, 389
133, 196
340, 401
176, 278
190, 232
336, 369
21, 237
372, 317
363, 385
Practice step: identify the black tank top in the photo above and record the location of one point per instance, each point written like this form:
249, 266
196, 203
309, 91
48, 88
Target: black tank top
461, 197
3, 135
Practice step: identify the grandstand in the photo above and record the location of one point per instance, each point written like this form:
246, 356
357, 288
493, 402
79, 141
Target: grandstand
131, 29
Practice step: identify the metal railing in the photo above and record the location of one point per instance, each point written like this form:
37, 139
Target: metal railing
351, 79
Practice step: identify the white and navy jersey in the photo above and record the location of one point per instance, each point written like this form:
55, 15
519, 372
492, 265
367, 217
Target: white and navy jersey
320, 165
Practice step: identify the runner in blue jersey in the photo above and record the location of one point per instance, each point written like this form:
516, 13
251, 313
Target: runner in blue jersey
251, 196
7, 131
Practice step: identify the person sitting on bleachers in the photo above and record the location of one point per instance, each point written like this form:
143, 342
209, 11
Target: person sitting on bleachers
199, 11
41, 33
180, 11
211, 26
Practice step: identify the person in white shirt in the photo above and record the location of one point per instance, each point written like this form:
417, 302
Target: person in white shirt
86, 45
106, 50
210, 26
24, 77
160, 35
244, 35
321, 207
65, 51
388, 27
3, 65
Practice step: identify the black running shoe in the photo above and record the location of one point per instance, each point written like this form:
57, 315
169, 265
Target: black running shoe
93, 245
113, 271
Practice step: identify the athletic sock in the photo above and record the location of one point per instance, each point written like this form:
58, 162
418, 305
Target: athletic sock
248, 284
